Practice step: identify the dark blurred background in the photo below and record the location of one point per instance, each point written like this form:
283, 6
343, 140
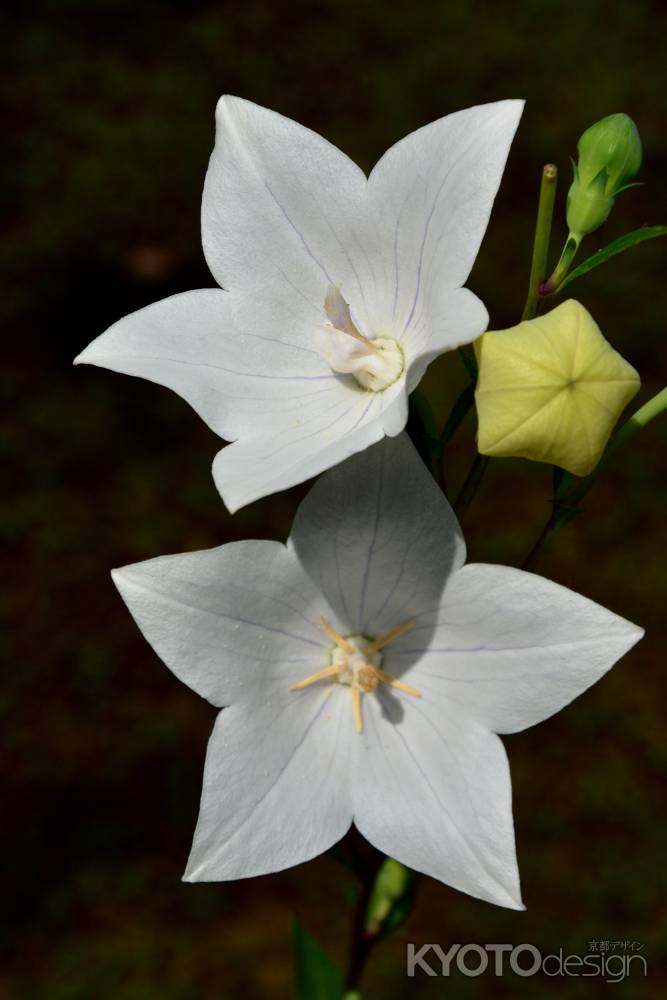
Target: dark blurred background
108, 125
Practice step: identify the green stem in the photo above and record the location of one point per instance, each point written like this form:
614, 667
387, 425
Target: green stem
643, 416
467, 357
424, 434
538, 271
550, 525
565, 502
459, 411
471, 485
382, 907
361, 943
545, 211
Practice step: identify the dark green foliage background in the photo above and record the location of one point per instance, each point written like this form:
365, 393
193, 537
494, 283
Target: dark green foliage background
108, 124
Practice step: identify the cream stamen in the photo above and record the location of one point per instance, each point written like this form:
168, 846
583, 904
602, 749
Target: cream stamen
375, 364
357, 666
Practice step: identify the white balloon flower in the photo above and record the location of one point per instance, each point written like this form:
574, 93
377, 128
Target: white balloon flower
340, 289
367, 673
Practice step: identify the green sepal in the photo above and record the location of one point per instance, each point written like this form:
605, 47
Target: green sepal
627, 187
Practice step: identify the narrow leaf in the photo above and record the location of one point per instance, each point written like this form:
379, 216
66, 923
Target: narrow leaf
317, 976
616, 246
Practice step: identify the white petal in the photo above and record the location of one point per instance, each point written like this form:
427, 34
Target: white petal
511, 648
231, 622
395, 414
276, 786
311, 442
455, 317
233, 380
433, 194
432, 789
378, 538
283, 217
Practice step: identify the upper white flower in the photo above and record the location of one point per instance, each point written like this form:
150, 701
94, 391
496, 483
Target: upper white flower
340, 289
367, 673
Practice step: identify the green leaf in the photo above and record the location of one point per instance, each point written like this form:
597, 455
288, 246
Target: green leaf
317, 976
616, 246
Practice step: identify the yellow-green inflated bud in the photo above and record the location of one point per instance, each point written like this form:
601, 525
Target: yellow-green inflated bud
551, 389
610, 154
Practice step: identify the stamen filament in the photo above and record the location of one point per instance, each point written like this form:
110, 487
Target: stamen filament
319, 676
356, 709
383, 640
339, 641
388, 679
354, 668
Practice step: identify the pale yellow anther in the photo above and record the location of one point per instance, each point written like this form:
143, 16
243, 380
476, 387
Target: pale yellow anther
319, 676
356, 709
356, 666
337, 639
388, 679
383, 640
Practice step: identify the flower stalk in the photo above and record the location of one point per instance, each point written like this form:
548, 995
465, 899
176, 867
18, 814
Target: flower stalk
562, 267
545, 211
382, 908
538, 272
471, 484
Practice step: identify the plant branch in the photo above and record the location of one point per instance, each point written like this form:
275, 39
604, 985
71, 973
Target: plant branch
471, 484
566, 502
539, 264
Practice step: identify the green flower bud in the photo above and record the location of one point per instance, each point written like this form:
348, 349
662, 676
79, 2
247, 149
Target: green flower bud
610, 154
390, 899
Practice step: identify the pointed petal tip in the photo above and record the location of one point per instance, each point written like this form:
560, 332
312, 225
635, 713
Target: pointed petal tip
507, 896
89, 356
517, 104
224, 101
83, 358
635, 634
515, 902
232, 502
121, 577
505, 891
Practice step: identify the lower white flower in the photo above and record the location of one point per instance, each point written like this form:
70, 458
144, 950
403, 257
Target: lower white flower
367, 673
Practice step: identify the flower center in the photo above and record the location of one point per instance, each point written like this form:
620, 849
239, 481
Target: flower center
375, 364
355, 661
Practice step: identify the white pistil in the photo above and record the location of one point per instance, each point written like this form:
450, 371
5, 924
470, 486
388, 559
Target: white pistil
356, 662
375, 364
